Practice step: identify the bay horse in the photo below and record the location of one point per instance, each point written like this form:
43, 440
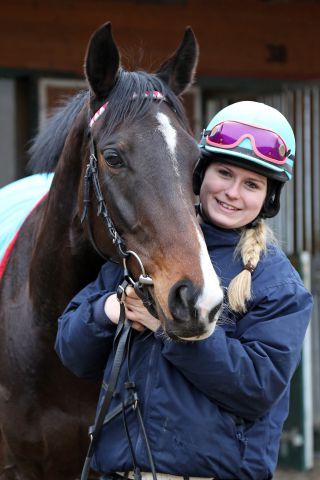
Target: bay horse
145, 155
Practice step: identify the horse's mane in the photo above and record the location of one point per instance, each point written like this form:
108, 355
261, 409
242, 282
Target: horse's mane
47, 146
127, 100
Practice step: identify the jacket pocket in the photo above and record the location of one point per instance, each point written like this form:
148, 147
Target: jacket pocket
210, 445
237, 428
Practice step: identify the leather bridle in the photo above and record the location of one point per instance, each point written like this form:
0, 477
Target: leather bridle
91, 180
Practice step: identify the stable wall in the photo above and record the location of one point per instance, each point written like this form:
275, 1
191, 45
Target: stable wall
238, 38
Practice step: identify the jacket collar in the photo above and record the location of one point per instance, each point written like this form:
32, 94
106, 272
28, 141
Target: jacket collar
220, 237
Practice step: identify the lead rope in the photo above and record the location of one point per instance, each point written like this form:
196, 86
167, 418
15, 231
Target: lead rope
123, 330
131, 387
124, 334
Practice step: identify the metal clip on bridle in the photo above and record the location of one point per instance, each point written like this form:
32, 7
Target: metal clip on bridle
143, 281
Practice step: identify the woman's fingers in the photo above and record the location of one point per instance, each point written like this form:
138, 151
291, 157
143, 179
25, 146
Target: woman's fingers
131, 294
137, 312
137, 326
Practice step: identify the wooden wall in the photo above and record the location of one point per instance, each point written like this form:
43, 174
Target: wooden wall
238, 38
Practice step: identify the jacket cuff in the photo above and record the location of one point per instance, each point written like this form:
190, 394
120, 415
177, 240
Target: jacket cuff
100, 317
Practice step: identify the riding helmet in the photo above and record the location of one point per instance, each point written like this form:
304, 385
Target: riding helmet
254, 136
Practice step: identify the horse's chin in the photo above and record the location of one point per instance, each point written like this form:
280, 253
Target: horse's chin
191, 336
202, 336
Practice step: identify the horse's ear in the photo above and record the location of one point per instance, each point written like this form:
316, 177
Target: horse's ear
102, 61
178, 70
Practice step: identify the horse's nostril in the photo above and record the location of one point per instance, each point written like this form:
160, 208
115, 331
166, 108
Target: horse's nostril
182, 292
182, 299
214, 311
184, 304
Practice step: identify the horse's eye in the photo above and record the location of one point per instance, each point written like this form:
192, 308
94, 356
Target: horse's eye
113, 159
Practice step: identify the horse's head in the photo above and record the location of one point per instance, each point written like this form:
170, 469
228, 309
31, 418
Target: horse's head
145, 158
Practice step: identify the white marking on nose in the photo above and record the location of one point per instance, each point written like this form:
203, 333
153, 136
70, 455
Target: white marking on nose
211, 295
170, 136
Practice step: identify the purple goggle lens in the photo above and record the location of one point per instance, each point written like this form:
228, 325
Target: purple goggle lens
265, 143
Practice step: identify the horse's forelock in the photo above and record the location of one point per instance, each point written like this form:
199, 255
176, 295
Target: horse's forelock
128, 100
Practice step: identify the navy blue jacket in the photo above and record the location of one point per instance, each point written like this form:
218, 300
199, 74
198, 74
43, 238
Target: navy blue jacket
214, 407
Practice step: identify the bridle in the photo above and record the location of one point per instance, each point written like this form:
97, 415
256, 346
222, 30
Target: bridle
91, 180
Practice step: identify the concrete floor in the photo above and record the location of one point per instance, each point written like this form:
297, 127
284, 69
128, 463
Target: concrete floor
313, 474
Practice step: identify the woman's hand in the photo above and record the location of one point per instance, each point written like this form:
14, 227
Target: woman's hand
135, 311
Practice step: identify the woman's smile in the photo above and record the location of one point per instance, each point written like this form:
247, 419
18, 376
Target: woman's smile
227, 206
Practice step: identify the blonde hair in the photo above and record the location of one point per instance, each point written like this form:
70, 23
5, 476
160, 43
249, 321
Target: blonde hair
252, 244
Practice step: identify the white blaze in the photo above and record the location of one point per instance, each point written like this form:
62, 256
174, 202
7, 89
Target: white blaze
170, 136
211, 294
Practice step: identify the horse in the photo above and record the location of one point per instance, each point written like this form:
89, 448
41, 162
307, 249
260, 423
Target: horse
126, 139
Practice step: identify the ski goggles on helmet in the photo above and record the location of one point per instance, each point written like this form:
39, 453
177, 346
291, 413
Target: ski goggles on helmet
266, 144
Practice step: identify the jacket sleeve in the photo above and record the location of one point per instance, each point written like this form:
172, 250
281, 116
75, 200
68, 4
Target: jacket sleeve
85, 333
248, 374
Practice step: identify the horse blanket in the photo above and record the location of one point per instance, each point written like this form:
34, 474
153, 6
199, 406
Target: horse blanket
17, 200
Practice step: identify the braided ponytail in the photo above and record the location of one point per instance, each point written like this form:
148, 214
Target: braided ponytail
252, 243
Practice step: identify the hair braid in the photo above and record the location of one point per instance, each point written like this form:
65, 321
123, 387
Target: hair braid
252, 243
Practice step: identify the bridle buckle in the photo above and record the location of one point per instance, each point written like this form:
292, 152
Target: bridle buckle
121, 293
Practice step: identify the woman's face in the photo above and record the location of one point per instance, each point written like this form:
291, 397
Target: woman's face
232, 197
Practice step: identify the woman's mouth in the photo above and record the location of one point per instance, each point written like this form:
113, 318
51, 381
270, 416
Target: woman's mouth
227, 206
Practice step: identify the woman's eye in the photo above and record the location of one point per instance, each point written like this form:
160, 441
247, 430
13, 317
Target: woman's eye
113, 159
252, 185
224, 173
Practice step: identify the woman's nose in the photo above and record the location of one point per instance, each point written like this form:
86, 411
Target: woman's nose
233, 190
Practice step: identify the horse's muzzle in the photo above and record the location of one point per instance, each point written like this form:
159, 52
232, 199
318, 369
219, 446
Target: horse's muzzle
190, 321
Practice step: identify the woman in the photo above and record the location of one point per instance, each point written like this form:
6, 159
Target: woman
212, 408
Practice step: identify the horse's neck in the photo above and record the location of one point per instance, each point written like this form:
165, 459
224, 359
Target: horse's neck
62, 261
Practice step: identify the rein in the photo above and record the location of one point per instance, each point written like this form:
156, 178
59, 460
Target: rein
123, 333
